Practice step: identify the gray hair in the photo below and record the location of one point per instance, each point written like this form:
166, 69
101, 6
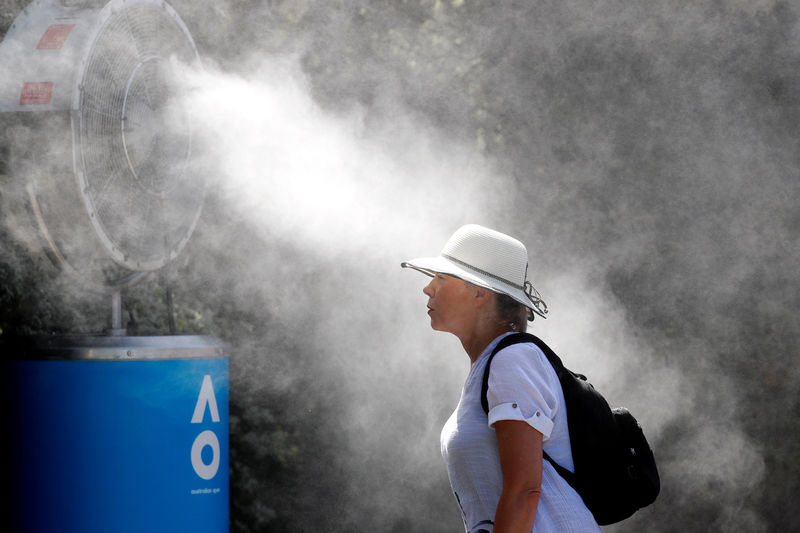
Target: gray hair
511, 312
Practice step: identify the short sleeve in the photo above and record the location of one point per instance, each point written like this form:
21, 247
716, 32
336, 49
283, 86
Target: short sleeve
523, 386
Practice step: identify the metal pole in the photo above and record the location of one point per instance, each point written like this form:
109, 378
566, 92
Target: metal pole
116, 314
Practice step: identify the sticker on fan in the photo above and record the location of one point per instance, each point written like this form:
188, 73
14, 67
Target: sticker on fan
54, 36
36, 93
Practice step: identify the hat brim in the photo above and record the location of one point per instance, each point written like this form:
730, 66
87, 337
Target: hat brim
441, 265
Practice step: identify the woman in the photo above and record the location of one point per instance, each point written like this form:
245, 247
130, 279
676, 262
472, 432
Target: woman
480, 293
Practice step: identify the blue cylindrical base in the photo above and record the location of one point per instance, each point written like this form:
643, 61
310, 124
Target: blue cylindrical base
121, 444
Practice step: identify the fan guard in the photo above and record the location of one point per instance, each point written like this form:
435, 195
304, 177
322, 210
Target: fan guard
98, 141
132, 140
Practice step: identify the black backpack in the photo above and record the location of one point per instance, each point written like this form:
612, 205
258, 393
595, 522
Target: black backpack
615, 471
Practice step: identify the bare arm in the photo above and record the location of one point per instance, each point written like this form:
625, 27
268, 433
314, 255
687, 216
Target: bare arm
520, 448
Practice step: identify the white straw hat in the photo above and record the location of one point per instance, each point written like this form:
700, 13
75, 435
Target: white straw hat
486, 258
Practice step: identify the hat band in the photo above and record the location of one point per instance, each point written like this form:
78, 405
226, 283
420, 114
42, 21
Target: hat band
479, 271
539, 307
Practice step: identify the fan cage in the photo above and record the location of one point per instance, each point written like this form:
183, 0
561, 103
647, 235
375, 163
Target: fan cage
134, 141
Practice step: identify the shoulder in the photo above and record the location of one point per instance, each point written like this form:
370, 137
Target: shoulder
522, 365
522, 385
524, 357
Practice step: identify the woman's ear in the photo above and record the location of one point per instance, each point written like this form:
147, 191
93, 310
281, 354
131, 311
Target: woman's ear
482, 295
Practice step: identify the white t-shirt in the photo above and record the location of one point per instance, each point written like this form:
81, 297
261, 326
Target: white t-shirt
522, 386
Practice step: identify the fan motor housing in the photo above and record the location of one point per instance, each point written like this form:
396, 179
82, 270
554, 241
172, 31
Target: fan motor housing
96, 135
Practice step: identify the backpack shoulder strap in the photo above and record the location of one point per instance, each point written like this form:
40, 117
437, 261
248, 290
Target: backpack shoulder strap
555, 361
516, 338
505, 342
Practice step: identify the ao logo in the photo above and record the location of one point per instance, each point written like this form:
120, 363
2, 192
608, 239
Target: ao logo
207, 437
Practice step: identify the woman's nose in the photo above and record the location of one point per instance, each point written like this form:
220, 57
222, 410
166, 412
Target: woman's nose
428, 290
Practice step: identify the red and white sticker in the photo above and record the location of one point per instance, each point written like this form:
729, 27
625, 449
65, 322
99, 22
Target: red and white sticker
54, 37
36, 93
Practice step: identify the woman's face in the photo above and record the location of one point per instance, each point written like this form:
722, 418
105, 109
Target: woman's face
451, 304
